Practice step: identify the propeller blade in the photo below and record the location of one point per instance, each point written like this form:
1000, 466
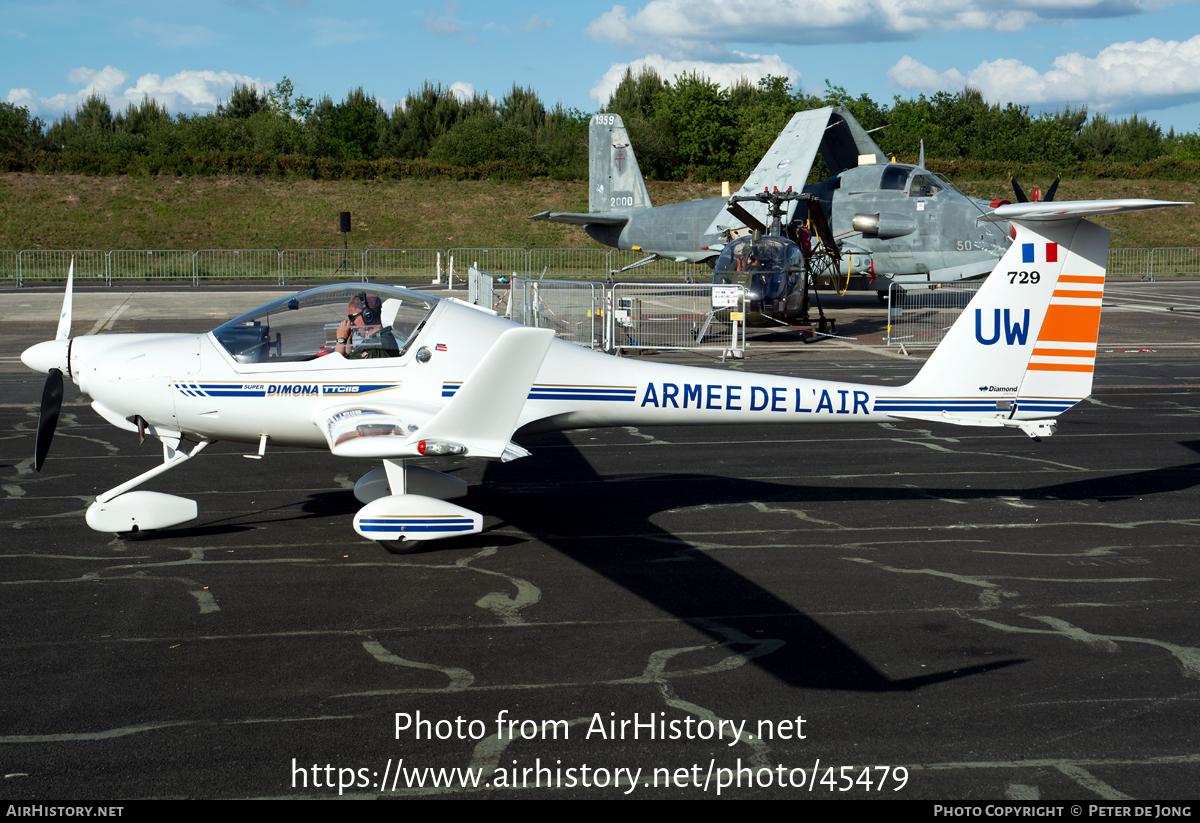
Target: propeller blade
64, 319
1018, 191
52, 397
1053, 188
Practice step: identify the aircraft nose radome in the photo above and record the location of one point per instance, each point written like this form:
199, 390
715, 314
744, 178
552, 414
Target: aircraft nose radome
42, 357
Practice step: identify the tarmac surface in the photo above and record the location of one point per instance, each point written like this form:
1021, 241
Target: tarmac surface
953, 613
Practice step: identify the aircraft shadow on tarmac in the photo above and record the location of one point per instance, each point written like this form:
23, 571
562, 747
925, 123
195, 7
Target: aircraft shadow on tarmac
703, 592
711, 596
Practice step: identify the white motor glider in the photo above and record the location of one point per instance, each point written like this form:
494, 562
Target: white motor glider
425, 377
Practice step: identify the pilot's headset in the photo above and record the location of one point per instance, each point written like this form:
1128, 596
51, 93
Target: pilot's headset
370, 308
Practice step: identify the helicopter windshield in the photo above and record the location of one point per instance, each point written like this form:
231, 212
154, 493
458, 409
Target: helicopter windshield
761, 266
304, 326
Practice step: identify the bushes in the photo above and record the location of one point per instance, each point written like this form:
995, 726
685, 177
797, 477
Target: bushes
688, 127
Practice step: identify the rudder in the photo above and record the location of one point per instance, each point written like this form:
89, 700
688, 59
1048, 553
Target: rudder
616, 181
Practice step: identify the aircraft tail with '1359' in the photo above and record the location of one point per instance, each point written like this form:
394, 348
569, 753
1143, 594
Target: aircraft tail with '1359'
373, 371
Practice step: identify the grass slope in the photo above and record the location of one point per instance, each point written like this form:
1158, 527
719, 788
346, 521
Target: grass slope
76, 212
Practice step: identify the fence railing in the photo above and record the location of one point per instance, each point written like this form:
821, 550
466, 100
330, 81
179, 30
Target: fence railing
921, 317
631, 316
574, 309
298, 265
676, 316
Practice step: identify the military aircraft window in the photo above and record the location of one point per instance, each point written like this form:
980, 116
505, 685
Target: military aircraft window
923, 185
894, 178
381, 321
759, 266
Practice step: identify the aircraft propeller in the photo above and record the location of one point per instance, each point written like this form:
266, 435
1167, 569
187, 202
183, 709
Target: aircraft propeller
52, 397
52, 392
1020, 193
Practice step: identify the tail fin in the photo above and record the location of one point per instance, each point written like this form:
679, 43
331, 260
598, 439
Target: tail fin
1024, 349
616, 180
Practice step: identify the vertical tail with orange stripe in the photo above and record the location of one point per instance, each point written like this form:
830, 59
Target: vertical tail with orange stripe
1064, 354
1024, 349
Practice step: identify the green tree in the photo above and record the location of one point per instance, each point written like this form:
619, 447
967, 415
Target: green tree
283, 100
483, 138
350, 129
522, 108
19, 132
243, 101
698, 112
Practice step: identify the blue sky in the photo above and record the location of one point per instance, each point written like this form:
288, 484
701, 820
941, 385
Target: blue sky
1115, 56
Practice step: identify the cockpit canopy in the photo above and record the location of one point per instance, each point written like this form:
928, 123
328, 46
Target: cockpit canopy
917, 181
304, 325
763, 266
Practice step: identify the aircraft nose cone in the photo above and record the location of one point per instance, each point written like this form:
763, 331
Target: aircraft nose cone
51, 354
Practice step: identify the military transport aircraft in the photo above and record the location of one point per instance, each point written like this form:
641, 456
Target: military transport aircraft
376, 371
891, 222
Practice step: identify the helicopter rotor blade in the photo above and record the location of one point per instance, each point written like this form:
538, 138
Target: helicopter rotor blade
750, 221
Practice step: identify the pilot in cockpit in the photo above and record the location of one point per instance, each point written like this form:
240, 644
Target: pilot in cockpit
360, 335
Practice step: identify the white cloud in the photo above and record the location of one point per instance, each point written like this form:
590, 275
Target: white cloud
537, 22
1147, 75
753, 66
463, 91
913, 74
172, 35
332, 31
443, 20
182, 91
684, 26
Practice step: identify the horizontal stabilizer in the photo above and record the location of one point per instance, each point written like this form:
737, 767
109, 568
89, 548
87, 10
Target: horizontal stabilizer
573, 219
1072, 209
484, 411
1037, 429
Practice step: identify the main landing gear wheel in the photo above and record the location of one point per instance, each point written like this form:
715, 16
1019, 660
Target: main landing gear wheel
400, 546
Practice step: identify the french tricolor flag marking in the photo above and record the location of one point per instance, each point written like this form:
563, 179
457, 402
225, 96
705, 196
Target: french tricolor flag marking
1028, 255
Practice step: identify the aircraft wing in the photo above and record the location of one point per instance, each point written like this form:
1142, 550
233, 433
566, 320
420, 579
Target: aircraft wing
575, 219
786, 163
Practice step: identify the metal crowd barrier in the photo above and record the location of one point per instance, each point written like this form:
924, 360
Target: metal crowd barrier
10, 266
1174, 261
676, 316
293, 265
1129, 261
588, 264
658, 269
236, 264
922, 316
404, 264
574, 309
500, 262
127, 264
321, 264
39, 264
480, 289
631, 316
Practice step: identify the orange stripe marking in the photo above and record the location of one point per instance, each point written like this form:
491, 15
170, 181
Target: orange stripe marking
1060, 367
1062, 353
1081, 278
1096, 295
1071, 324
